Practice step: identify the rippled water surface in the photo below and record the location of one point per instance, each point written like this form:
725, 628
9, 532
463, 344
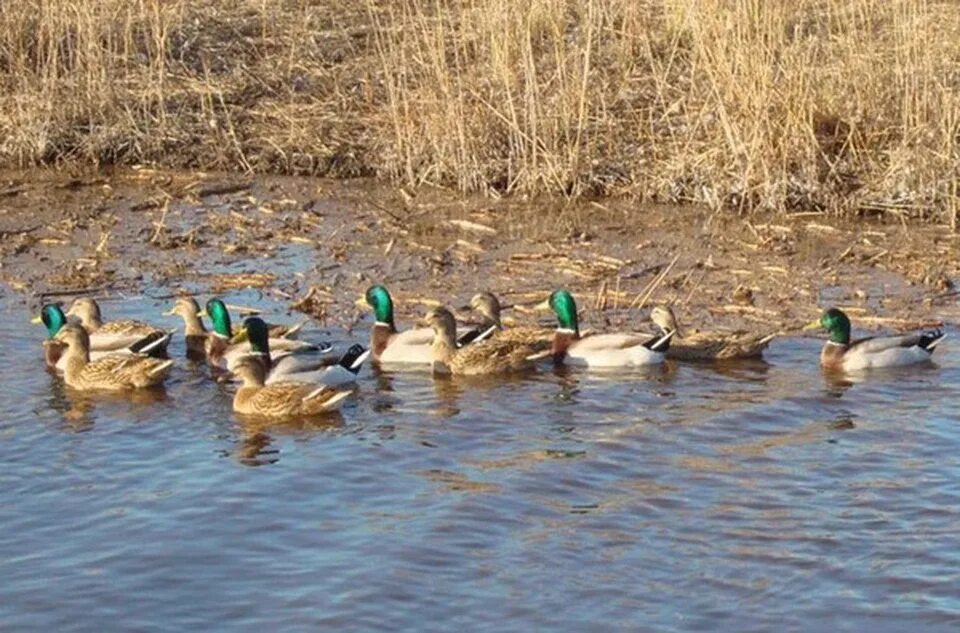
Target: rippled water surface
747, 497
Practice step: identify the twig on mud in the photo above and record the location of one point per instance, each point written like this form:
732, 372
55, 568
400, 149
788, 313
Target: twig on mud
72, 293
223, 188
641, 299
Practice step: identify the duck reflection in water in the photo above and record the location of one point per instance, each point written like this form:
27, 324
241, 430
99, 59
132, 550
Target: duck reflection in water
255, 446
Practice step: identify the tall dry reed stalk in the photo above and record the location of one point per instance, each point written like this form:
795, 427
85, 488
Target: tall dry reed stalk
847, 105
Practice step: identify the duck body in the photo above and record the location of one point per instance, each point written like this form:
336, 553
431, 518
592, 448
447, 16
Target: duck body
113, 372
310, 366
485, 357
841, 354
389, 346
707, 346
880, 352
491, 325
223, 350
608, 350
600, 350
118, 334
282, 399
100, 345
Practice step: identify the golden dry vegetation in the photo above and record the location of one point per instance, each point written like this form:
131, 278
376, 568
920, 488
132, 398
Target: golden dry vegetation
847, 105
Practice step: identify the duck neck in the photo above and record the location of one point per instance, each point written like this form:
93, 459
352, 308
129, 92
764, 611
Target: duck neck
444, 346
76, 360
380, 337
563, 338
193, 326
216, 346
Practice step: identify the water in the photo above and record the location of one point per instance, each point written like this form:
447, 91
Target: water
754, 497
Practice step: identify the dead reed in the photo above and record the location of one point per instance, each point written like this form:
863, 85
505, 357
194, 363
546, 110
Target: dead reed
851, 106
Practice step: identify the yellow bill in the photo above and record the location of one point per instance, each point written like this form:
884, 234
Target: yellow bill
813, 325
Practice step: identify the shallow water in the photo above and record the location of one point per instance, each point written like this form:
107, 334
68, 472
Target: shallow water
756, 496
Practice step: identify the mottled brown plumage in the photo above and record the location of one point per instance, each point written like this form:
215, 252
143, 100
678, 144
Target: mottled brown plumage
708, 345
487, 304
88, 311
110, 373
281, 399
490, 356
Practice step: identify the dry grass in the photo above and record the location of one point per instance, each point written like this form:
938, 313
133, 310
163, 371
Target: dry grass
848, 105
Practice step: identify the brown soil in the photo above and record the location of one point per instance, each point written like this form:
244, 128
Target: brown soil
315, 245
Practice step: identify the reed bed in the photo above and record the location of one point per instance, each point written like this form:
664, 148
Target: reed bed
849, 106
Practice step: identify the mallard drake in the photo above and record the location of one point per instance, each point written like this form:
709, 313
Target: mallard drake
387, 345
488, 306
599, 350
124, 332
707, 345
840, 353
282, 399
221, 350
115, 372
302, 365
53, 318
491, 356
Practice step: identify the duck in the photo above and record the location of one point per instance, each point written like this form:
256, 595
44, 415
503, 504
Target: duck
53, 318
488, 306
387, 345
125, 332
115, 372
194, 332
840, 353
282, 399
309, 365
221, 349
599, 350
707, 345
490, 356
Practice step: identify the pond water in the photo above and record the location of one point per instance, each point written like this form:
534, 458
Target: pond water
749, 497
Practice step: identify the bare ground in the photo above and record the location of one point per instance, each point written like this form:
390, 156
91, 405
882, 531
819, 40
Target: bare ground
314, 245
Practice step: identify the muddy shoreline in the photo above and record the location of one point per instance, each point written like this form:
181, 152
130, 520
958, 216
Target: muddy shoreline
314, 245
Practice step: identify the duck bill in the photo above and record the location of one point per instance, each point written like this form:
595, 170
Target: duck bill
239, 337
543, 306
813, 325
37, 320
361, 302
170, 312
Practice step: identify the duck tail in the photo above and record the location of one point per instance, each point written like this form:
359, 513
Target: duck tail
660, 343
160, 367
294, 330
475, 335
330, 400
152, 344
352, 359
930, 340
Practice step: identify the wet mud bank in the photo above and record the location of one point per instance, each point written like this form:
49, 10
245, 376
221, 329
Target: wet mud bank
314, 245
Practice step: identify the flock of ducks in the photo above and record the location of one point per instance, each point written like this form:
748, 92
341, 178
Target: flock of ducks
281, 376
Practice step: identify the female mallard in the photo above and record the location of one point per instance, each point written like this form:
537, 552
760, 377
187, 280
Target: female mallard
124, 332
487, 304
600, 350
282, 399
389, 346
839, 353
708, 345
307, 365
115, 372
491, 356
54, 319
221, 348
194, 332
